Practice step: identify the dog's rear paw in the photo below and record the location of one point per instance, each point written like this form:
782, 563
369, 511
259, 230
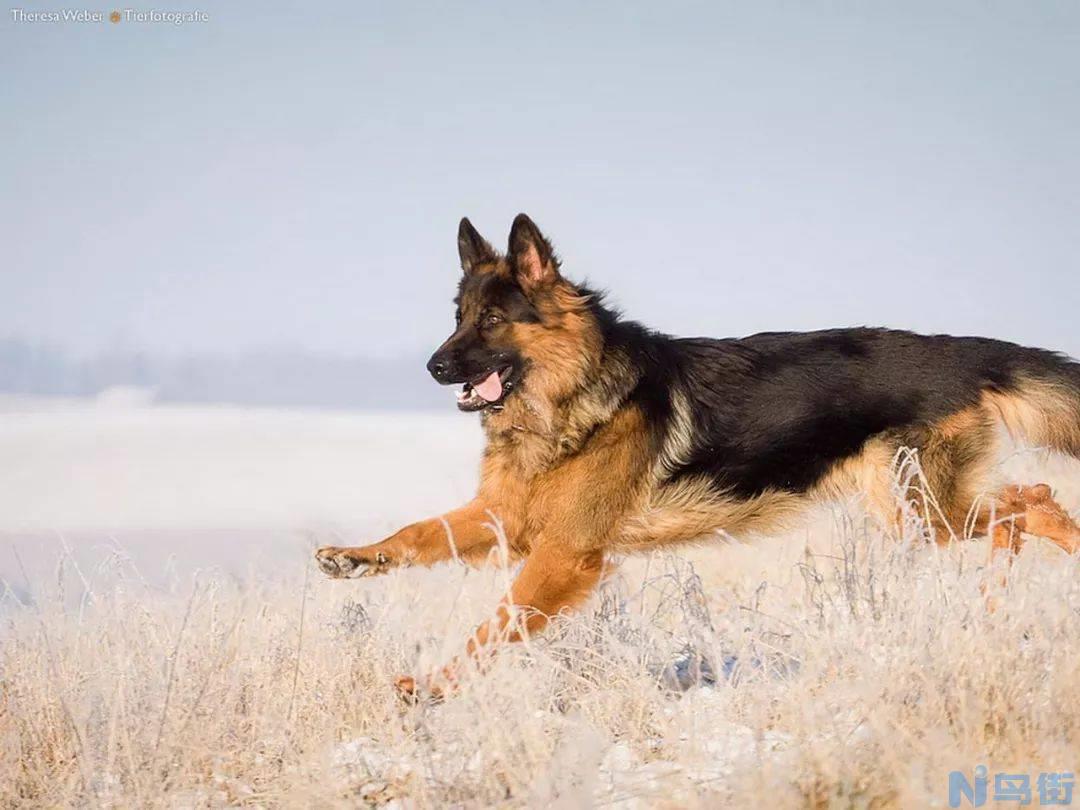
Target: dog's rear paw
350, 563
413, 693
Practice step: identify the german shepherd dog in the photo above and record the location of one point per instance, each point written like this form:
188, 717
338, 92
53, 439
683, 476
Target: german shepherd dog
605, 437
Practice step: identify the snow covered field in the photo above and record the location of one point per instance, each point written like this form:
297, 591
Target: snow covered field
234, 488
167, 642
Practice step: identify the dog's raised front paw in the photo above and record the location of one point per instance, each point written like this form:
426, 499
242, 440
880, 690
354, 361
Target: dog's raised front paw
351, 563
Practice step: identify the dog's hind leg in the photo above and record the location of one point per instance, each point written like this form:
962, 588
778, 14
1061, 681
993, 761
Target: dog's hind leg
1032, 510
957, 458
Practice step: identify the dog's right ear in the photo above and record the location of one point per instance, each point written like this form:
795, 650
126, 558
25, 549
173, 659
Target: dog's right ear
473, 249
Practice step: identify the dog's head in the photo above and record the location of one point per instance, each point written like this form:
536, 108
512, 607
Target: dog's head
520, 324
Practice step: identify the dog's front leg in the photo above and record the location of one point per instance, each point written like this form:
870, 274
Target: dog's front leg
554, 578
469, 531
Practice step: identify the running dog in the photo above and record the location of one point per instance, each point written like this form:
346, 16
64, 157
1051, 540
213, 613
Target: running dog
604, 437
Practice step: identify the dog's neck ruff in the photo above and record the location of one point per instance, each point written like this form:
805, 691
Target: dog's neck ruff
537, 433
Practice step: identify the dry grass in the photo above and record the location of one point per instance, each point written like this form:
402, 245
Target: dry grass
839, 666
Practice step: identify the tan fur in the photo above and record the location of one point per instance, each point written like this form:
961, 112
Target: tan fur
869, 474
1043, 414
957, 458
567, 347
690, 510
571, 473
679, 440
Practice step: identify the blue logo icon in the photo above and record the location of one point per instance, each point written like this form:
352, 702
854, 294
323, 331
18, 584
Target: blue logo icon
1051, 788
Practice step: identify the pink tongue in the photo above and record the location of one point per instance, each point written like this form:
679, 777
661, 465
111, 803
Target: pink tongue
491, 388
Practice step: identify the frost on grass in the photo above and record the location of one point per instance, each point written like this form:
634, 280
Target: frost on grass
839, 666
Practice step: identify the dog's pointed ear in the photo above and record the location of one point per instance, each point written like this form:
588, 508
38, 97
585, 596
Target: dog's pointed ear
531, 256
472, 247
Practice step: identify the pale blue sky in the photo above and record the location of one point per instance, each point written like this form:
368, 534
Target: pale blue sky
295, 175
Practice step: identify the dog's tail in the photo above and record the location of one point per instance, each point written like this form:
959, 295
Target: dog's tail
1043, 409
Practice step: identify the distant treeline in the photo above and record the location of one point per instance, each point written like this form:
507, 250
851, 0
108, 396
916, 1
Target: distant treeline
284, 377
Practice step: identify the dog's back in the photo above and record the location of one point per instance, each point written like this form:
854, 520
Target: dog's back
778, 410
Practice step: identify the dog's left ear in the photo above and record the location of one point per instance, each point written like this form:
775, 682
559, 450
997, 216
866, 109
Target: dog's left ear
531, 256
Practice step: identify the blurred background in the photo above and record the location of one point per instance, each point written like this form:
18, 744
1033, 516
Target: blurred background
261, 207
228, 244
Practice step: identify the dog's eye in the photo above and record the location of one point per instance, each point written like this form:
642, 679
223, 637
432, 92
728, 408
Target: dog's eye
492, 320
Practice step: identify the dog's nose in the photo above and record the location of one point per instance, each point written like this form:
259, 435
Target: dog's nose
439, 368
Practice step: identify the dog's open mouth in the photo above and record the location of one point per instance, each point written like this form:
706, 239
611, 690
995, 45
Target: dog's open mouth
485, 391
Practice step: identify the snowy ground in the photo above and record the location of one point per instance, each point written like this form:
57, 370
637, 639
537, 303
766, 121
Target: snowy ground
204, 486
836, 665
180, 488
